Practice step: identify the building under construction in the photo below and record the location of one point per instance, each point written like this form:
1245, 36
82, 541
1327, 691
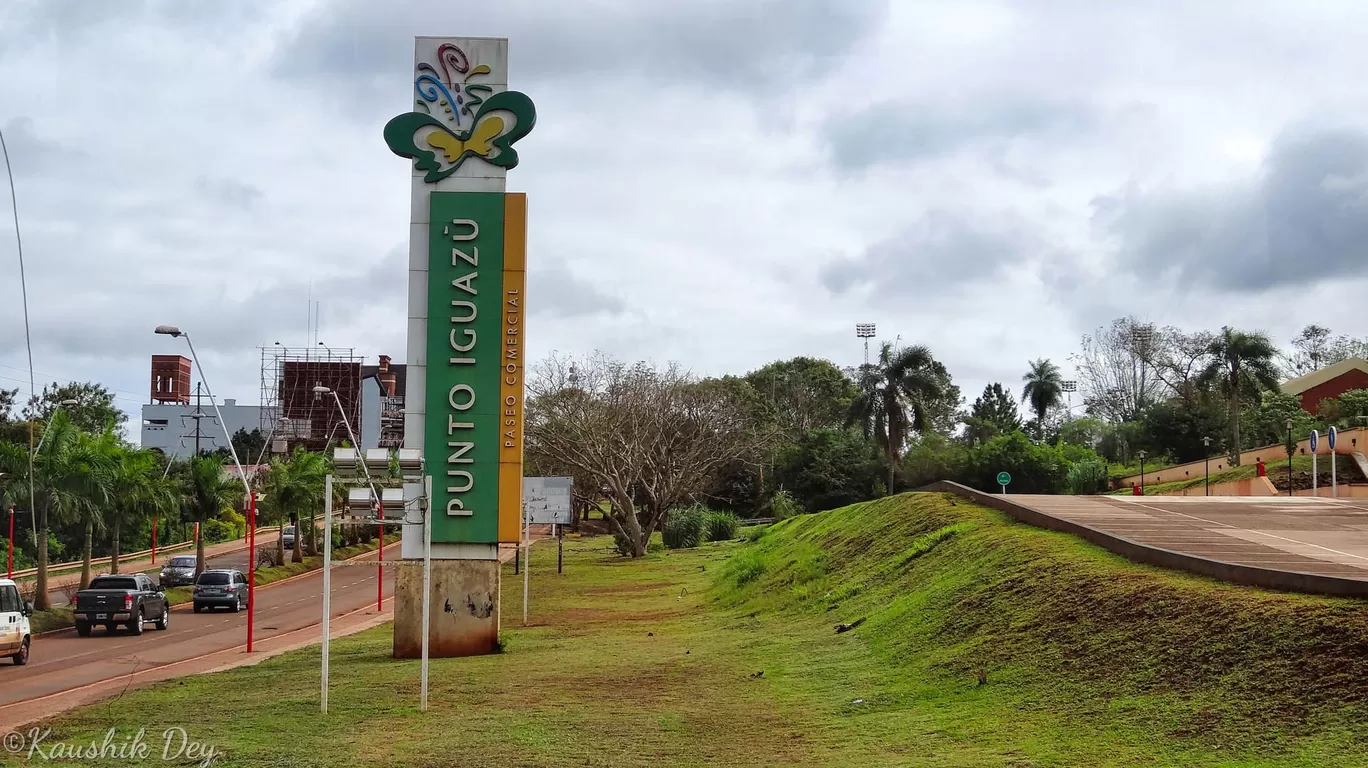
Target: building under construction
293, 411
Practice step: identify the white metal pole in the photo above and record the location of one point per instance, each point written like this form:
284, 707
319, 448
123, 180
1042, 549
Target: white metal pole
427, 585
527, 560
327, 582
1315, 472
1334, 483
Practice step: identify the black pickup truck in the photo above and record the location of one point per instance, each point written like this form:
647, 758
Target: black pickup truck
113, 600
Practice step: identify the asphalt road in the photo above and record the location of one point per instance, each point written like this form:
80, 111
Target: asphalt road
62, 661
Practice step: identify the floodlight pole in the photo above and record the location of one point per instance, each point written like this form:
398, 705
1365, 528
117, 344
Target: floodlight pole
173, 331
361, 459
427, 586
327, 583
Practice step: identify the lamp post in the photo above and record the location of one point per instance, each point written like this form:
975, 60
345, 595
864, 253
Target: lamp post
375, 495
1141, 454
174, 332
1206, 461
1291, 449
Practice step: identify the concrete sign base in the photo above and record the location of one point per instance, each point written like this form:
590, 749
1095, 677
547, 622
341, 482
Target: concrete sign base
464, 618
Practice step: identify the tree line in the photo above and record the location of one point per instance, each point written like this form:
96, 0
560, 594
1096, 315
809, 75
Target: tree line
95, 495
807, 434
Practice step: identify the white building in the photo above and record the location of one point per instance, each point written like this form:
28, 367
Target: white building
171, 427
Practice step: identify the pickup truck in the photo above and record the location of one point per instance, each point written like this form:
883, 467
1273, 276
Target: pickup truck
115, 599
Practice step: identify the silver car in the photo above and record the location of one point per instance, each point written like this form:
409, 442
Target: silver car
288, 536
178, 571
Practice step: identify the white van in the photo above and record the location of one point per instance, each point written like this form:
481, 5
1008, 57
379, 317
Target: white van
15, 634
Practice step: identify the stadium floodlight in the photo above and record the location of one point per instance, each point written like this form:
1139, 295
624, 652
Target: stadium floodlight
360, 501
1070, 386
345, 461
410, 462
377, 462
864, 330
392, 501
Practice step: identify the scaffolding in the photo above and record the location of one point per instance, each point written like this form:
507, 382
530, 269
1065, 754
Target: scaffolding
311, 419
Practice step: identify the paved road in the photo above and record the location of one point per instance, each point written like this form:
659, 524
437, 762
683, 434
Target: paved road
1298, 534
62, 661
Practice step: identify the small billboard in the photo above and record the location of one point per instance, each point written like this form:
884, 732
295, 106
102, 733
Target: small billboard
546, 500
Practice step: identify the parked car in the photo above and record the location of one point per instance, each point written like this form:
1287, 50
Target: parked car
289, 536
131, 600
15, 634
225, 587
178, 571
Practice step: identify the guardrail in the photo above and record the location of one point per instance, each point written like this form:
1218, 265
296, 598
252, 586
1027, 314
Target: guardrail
61, 568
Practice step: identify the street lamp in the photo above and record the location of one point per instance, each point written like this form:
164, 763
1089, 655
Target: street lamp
375, 496
1141, 454
1206, 460
174, 332
1291, 449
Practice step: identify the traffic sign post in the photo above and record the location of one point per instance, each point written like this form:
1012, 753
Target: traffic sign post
1315, 462
1330, 436
1003, 480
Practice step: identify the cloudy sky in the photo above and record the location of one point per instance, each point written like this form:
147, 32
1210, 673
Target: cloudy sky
718, 183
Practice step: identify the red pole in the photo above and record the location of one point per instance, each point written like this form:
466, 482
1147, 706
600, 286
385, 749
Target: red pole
154, 541
251, 567
9, 569
380, 568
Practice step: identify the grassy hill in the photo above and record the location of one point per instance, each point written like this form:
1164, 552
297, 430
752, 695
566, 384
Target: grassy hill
1015, 639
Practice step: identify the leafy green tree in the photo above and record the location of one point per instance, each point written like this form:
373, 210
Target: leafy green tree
100, 458
899, 394
1044, 390
1035, 468
993, 413
828, 468
207, 491
934, 457
802, 394
8, 397
1353, 405
94, 409
1266, 424
1175, 429
1242, 365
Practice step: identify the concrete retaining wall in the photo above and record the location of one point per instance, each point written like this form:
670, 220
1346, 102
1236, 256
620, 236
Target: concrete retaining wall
1252, 486
1247, 575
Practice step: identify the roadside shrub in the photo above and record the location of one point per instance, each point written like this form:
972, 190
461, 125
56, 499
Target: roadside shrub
721, 526
622, 544
784, 506
744, 567
215, 531
685, 527
1087, 478
754, 533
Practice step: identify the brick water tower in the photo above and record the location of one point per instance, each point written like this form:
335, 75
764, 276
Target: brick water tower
170, 379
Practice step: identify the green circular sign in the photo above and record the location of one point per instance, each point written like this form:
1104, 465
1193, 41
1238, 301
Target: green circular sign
1004, 478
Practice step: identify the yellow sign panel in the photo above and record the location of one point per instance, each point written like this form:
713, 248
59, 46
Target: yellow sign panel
511, 384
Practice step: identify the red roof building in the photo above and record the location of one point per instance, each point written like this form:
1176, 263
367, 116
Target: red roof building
1330, 381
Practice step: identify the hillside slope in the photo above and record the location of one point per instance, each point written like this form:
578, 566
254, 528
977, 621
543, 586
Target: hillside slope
1006, 623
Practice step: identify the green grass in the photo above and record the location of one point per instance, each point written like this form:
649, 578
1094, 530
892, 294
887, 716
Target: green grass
726, 655
1346, 468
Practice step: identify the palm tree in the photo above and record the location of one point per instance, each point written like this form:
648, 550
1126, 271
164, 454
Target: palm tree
68, 487
894, 395
207, 491
140, 491
1242, 364
98, 457
292, 485
1044, 390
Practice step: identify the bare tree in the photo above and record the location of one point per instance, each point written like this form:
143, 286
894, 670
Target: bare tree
1113, 373
651, 438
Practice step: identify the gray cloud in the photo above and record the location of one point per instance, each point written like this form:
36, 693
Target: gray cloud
941, 249
913, 131
1301, 220
229, 192
738, 45
29, 153
555, 291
